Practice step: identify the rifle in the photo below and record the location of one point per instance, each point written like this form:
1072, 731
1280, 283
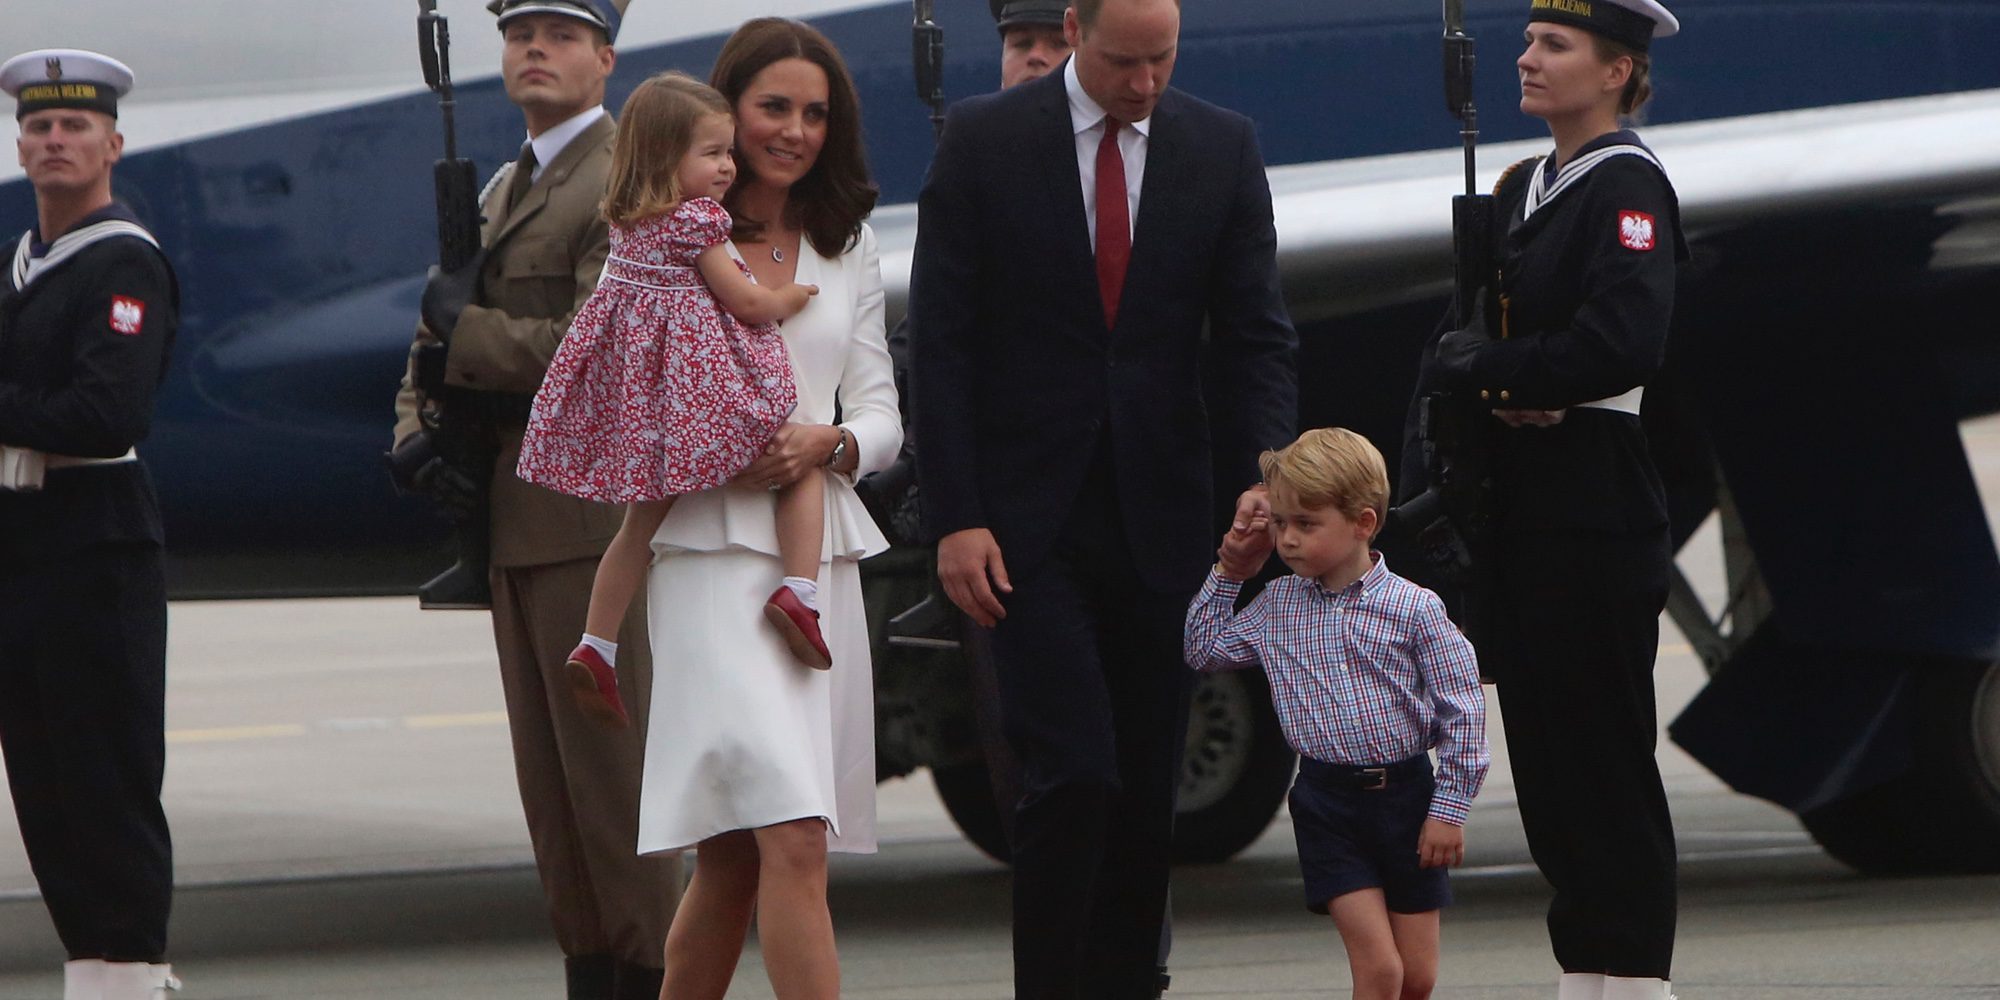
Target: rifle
1451, 519
458, 427
927, 51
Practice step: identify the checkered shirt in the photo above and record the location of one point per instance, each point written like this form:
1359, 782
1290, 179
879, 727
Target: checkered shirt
1372, 674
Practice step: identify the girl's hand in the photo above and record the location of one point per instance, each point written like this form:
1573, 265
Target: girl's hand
795, 451
795, 298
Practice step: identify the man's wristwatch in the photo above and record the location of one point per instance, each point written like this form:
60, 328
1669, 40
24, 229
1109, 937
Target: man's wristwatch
839, 448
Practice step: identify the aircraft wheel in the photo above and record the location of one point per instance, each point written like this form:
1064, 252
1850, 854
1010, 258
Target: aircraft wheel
1234, 775
1944, 816
967, 792
1235, 769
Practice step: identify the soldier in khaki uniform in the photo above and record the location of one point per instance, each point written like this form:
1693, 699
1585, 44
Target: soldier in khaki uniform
502, 316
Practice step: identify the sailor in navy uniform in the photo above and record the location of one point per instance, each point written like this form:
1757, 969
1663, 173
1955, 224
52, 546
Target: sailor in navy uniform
87, 313
1580, 552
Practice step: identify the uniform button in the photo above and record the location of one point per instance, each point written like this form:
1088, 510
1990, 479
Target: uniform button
1483, 394
1504, 395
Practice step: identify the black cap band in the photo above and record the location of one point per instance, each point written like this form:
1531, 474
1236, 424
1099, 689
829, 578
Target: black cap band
1599, 17
66, 94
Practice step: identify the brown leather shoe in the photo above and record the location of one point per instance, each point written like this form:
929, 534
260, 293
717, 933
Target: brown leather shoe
798, 625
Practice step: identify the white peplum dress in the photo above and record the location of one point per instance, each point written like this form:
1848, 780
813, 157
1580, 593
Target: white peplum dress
741, 735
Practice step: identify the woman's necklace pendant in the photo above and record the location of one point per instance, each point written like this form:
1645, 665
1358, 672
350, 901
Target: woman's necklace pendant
777, 255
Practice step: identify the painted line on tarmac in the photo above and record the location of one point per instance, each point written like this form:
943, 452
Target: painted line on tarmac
341, 726
1685, 857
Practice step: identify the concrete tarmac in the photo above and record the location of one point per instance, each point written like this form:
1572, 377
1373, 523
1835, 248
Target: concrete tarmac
346, 826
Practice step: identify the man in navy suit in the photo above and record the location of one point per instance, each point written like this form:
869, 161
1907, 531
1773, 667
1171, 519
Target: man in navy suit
1076, 235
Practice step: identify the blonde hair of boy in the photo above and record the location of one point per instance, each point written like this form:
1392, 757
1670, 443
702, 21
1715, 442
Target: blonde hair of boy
1331, 467
655, 131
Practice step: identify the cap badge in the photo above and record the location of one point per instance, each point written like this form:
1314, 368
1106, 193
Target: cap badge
1635, 230
54, 68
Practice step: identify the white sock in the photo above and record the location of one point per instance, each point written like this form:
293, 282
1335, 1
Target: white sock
605, 648
805, 590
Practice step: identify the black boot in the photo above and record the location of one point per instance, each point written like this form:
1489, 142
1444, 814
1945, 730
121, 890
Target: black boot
590, 977
636, 982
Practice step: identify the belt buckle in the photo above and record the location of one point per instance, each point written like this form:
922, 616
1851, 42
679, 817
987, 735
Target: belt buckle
1375, 778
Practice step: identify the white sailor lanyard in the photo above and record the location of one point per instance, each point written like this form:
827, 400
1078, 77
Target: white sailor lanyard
28, 267
22, 469
1545, 187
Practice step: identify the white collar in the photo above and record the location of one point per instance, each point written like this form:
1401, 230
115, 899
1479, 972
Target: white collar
1542, 188
1086, 114
552, 142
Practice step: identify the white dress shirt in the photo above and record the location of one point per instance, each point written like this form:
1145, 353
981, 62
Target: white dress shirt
1087, 118
551, 142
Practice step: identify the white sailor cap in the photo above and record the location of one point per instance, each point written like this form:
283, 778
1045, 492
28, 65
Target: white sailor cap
604, 15
65, 78
1634, 23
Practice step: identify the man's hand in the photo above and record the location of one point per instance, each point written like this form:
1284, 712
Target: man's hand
417, 468
1530, 418
971, 570
1440, 845
447, 293
1248, 544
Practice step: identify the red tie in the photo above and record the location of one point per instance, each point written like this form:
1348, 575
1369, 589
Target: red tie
1114, 221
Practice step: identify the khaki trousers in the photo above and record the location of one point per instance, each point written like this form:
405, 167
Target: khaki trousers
579, 779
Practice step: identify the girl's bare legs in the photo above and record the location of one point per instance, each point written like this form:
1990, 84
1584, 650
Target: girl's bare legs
706, 939
801, 534
793, 924
593, 677
623, 566
802, 526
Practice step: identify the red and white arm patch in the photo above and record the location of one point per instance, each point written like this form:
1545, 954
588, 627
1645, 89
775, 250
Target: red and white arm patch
127, 315
1635, 230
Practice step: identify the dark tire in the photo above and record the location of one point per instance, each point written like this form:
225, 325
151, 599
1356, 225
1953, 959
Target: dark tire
1944, 815
1234, 776
967, 792
1235, 770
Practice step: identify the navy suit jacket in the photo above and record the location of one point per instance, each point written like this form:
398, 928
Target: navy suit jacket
1018, 383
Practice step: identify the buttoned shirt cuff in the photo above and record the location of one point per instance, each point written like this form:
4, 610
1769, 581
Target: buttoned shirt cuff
1449, 807
1219, 586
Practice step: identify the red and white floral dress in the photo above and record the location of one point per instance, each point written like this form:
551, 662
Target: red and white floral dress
656, 390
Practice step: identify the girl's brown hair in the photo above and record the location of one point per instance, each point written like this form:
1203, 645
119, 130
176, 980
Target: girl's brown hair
830, 201
655, 130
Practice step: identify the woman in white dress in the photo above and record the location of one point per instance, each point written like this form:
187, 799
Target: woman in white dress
760, 763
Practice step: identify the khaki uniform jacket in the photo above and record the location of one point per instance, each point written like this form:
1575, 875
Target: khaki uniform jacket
542, 262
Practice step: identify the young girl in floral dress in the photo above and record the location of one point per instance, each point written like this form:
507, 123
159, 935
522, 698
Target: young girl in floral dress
672, 376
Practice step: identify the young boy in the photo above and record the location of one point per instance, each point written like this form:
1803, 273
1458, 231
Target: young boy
1367, 675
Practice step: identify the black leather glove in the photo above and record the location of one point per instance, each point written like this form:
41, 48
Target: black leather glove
1455, 351
447, 293
418, 468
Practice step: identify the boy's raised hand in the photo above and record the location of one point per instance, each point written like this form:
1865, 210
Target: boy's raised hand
1440, 845
1248, 543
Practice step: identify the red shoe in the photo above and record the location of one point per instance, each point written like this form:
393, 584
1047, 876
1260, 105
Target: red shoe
595, 685
799, 626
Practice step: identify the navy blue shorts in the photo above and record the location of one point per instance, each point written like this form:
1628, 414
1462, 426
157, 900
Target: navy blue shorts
1354, 838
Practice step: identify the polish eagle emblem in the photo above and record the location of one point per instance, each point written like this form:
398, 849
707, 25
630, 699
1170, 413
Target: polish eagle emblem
54, 68
1635, 230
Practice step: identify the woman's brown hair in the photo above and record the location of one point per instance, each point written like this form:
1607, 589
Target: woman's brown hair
655, 129
1639, 88
830, 201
